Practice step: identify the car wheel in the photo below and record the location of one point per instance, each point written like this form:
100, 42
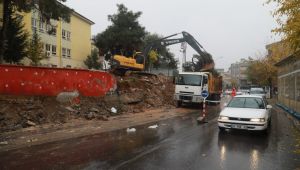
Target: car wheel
268, 129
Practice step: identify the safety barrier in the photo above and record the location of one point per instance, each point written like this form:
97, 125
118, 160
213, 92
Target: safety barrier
43, 81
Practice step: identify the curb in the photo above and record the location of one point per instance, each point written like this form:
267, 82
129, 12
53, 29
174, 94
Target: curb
292, 115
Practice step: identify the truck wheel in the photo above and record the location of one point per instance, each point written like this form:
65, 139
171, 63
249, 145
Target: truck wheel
178, 104
213, 98
221, 129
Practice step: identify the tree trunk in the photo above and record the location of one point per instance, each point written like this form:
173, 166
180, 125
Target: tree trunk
6, 14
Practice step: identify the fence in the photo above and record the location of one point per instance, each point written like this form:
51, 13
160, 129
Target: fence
24, 80
289, 85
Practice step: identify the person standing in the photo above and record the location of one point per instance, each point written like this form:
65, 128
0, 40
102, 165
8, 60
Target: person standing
233, 92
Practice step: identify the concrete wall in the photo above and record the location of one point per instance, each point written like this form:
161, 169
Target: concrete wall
289, 85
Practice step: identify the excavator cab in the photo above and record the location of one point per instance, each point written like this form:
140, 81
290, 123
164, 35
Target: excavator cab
121, 63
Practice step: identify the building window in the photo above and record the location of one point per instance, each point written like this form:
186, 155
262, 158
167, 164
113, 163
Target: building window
64, 52
41, 25
64, 34
48, 47
53, 32
68, 53
68, 66
33, 24
54, 49
51, 29
68, 35
54, 66
48, 27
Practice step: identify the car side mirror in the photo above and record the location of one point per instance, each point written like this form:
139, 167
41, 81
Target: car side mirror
269, 106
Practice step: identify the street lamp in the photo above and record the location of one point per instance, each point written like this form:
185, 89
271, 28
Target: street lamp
168, 61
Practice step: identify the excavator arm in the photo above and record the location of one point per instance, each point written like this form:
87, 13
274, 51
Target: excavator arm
198, 61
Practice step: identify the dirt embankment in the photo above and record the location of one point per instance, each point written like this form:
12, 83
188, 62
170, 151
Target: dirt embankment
135, 94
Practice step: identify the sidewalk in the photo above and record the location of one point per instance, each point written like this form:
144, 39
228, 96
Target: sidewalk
281, 109
78, 128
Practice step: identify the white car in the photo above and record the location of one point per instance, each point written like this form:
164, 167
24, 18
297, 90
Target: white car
248, 112
257, 91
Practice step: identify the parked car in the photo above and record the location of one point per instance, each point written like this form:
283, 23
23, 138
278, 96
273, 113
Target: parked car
248, 112
258, 91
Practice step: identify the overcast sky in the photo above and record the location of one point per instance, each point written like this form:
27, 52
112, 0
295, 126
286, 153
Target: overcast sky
228, 29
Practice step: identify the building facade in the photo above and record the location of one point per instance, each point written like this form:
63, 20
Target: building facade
289, 82
66, 44
238, 72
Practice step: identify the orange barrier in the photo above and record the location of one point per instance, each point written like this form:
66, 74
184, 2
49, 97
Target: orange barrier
42, 81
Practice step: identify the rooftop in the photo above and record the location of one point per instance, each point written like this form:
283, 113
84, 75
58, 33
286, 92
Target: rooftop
292, 58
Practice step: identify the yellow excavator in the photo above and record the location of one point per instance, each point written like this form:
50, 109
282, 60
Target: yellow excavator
120, 64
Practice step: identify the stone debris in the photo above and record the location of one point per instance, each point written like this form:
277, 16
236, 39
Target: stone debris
153, 127
4, 143
130, 130
30, 123
32, 140
113, 110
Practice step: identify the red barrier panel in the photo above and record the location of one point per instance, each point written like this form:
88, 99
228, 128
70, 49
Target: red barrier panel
26, 80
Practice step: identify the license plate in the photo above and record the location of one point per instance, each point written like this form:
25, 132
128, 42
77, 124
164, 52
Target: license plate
239, 126
186, 101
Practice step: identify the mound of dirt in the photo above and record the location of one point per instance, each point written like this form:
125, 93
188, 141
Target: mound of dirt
135, 94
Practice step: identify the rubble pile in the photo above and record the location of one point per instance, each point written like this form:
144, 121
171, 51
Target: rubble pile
135, 94
140, 92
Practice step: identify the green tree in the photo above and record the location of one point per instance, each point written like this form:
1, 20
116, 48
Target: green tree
49, 9
36, 51
92, 61
288, 18
124, 35
165, 57
16, 40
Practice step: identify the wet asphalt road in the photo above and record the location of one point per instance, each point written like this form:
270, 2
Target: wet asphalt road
179, 143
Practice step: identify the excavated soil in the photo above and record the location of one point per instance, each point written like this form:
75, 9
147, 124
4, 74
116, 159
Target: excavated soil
135, 93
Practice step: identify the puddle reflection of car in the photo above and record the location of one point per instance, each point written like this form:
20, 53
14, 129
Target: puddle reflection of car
247, 112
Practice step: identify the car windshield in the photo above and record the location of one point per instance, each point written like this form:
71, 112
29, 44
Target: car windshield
247, 102
186, 79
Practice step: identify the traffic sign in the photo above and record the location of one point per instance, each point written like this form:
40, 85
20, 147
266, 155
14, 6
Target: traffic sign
204, 94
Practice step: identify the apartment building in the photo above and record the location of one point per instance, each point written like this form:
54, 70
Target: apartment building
238, 72
68, 44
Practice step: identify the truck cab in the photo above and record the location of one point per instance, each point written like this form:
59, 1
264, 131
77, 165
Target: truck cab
189, 86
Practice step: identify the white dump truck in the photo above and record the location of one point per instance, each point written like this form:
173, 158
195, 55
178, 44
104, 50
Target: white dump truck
189, 86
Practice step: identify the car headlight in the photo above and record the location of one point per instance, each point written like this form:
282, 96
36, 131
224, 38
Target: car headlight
258, 120
223, 118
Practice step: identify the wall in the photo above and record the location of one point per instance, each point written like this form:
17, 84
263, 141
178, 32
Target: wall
289, 85
81, 40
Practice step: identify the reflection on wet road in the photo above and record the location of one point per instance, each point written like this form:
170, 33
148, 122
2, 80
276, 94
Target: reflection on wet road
178, 143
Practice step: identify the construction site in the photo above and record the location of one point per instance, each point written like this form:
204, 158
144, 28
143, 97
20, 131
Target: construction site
34, 96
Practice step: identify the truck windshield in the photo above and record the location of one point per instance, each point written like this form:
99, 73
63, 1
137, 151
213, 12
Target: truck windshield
186, 79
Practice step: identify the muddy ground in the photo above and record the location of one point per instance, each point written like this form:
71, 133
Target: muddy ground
135, 94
